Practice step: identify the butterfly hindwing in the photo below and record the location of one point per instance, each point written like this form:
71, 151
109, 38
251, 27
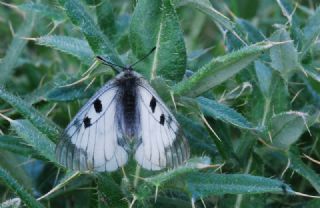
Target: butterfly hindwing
162, 141
90, 142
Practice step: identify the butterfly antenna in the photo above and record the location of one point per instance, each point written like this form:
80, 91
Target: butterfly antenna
154, 48
109, 63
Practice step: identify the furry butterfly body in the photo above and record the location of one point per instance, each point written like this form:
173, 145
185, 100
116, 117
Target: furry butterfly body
125, 118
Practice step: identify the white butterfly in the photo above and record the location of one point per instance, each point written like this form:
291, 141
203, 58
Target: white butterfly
124, 118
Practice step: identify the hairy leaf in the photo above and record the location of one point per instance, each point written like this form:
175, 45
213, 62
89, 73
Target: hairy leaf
224, 113
27, 198
73, 46
16, 47
284, 57
205, 184
220, 69
99, 43
30, 113
155, 24
35, 138
302, 169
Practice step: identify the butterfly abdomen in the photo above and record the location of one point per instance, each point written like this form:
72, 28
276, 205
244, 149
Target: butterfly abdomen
129, 121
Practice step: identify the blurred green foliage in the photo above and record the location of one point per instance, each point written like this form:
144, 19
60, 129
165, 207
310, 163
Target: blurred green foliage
244, 76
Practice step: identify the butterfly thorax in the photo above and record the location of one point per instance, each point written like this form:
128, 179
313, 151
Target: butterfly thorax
127, 111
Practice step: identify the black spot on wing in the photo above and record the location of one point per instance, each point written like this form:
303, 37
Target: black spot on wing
153, 104
87, 122
97, 105
162, 119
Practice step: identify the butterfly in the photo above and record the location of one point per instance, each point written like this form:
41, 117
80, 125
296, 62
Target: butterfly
125, 118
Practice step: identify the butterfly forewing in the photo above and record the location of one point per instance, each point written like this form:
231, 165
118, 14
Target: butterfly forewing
90, 142
125, 117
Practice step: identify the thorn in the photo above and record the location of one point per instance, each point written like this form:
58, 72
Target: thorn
304, 71
286, 168
303, 116
156, 194
59, 186
208, 125
268, 145
139, 177
270, 43
133, 201
5, 110
91, 68
193, 203
311, 159
220, 167
306, 195
91, 82
123, 172
76, 82
136, 176
204, 166
12, 6
11, 29
51, 109
204, 205
270, 137
6, 118
173, 100
29, 38
295, 96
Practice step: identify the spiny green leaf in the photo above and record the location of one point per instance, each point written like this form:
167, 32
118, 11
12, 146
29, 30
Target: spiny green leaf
264, 75
43, 10
286, 128
28, 199
206, 184
206, 7
224, 113
288, 10
280, 96
284, 57
314, 79
16, 47
106, 18
66, 179
193, 165
254, 34
14, 144
35, 138
36, 118
197, 135
63, 90
155, 24
99, 43
69, 93
302, 169
73, 46
18, 172
311, 31
109, 189
220, 69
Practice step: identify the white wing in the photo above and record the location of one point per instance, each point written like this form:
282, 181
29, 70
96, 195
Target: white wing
90, 142
162, 143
